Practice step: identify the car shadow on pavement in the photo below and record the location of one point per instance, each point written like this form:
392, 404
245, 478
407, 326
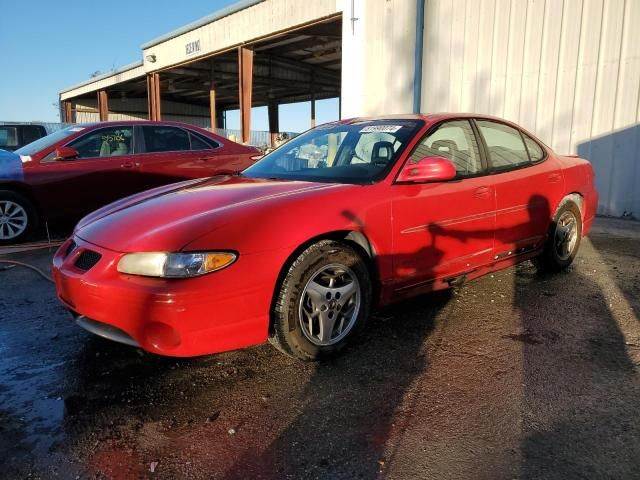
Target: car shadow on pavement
581, 387
621, 255
352, 405
351, 402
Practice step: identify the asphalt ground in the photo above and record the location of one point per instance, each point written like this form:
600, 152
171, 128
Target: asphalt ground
514, 375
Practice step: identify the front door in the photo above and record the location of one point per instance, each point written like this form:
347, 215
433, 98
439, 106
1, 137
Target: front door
444, 229
104, 171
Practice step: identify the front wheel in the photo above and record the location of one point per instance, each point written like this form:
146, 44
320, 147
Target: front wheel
17, 217
323, 301
563, 241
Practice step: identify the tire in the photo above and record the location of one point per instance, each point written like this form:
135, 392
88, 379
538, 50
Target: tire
18, 218
315, 317
563, 240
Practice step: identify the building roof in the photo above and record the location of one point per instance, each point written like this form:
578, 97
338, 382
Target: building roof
117, 71
217, 15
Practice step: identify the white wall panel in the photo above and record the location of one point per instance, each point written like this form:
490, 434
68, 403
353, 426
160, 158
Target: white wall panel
568, 70
378, 50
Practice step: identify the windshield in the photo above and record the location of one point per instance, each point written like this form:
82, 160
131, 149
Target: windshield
45, 142
360, 152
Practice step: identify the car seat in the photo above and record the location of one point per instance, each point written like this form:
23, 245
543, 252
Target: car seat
381, 153
121, 149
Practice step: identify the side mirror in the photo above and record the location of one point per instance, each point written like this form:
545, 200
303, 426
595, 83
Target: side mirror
66, 153
428, 169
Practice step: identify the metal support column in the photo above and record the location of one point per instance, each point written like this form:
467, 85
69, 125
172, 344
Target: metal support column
212, 98
103, 105
153, 96
245, 81
274, 123
67, 112
313, 100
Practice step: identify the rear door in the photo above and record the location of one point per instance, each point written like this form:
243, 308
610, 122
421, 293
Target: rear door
172, 154
104, 171
528, 185
443, 229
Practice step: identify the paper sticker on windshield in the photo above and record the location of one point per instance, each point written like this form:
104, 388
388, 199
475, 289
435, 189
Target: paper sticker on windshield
381, 129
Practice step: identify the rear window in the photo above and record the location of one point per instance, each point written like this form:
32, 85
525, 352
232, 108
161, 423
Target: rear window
31, 133
8, 137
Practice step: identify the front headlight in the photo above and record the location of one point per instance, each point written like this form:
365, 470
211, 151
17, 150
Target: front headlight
174, 265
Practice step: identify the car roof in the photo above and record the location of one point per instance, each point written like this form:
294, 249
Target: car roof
136, 122
429, 117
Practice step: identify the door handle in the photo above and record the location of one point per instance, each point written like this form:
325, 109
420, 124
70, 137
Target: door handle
482, 192
129, 165
554, 177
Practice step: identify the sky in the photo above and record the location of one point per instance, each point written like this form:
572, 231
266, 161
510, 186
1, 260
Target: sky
47, 46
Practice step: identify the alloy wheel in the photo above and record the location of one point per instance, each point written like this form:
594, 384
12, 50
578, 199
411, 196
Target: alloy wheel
566, 235
329, 305
13, 220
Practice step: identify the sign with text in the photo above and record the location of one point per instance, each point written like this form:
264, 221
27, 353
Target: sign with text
192, 47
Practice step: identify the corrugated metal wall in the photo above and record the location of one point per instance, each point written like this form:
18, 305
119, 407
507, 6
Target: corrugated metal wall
568, 70
136, 109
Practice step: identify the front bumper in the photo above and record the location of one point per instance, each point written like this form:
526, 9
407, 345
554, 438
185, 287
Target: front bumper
222, 311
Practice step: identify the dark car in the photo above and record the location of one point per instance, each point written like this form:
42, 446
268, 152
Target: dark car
67, 174
14, 136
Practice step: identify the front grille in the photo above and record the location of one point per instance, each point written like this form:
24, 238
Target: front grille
87, 259
72, 246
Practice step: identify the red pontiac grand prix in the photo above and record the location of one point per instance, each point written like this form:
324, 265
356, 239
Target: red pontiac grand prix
71, 172
299, 247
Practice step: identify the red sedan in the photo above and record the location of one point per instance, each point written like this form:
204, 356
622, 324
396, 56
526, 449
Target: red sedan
72, 172
299, 247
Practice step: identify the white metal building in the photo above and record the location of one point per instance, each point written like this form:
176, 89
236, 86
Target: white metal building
568, 70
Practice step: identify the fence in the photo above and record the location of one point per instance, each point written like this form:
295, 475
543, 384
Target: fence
258, 138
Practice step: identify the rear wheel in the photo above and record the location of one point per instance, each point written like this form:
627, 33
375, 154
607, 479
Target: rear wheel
322, 302
17, 217
563, 241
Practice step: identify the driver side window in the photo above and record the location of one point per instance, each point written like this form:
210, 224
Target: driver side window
105, 142
454, 141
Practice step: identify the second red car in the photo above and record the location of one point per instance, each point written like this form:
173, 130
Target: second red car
73, 171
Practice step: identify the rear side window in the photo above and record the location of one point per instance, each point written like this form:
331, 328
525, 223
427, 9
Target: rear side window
455, 141
199, 143
535, 150
506, 147
165, 139
8, 137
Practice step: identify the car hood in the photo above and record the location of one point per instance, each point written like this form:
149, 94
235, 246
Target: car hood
170, 217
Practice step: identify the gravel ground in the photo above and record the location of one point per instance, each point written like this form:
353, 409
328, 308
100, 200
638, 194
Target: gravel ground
514, 375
